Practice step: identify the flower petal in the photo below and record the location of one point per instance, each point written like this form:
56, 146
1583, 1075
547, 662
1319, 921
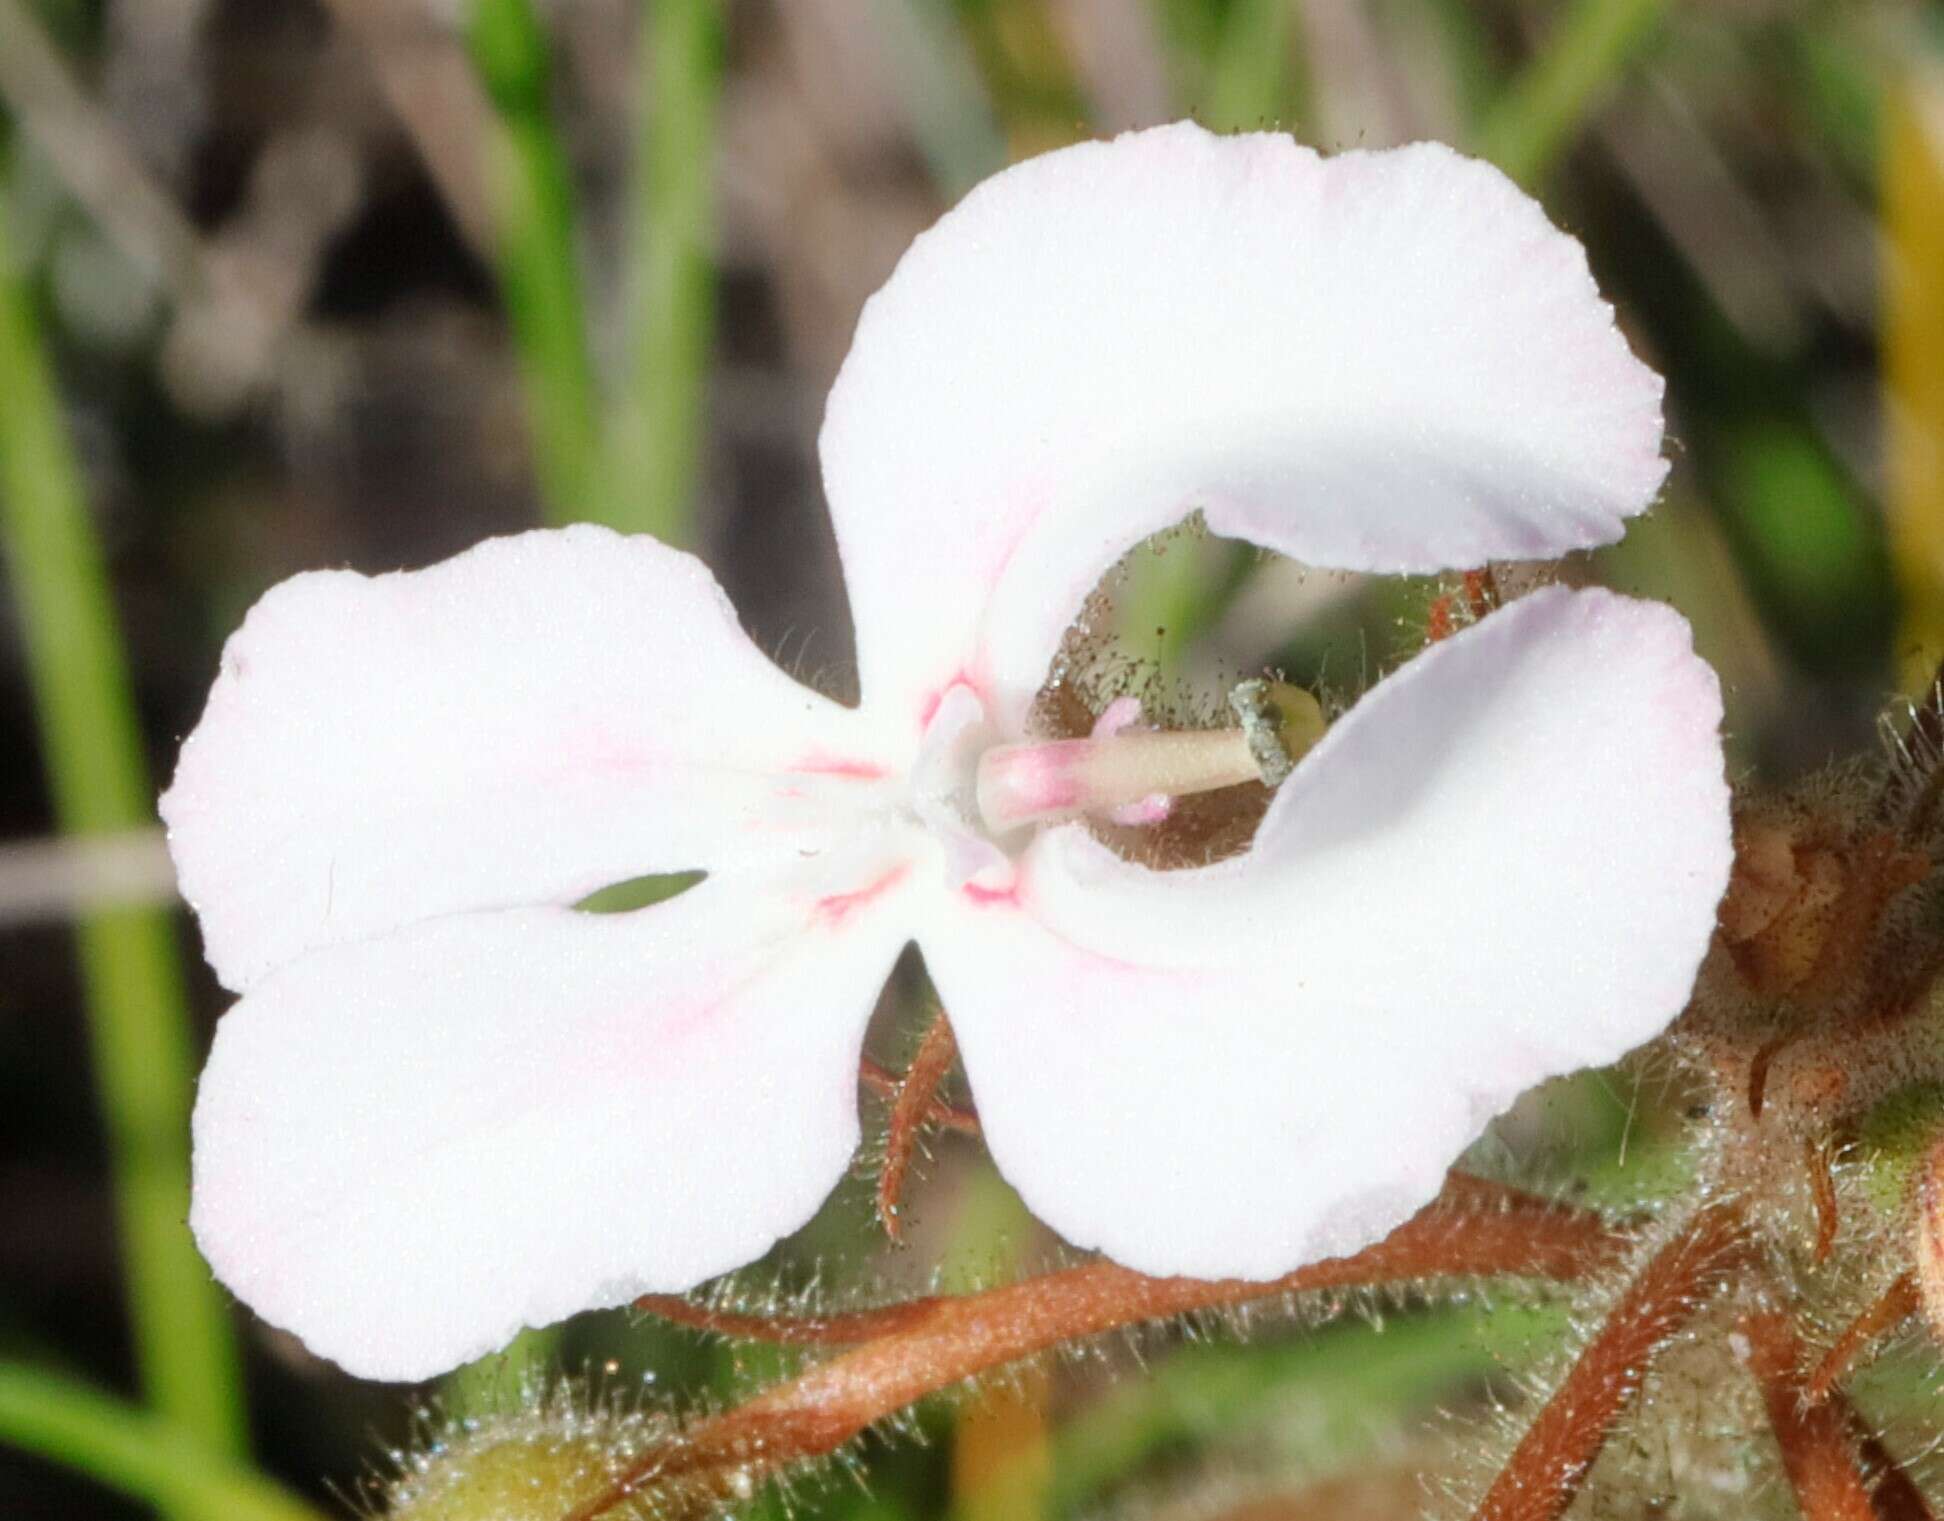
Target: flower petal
533, 719
1378, 361
409, 1147
1501, 865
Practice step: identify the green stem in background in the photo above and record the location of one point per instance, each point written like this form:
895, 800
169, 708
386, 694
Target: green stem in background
1591, 45
143, 1456
1468, 55
1000, 1461
130, 965
539, 263
501, 1381
1330, 1396
937, 78
657, 425
1252, 82
1026, 72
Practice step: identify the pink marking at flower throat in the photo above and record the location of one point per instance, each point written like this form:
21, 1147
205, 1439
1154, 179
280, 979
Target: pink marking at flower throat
963, 677
838, 907
840, 766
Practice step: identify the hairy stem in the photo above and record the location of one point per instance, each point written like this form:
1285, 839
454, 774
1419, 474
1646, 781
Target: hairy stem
1820, 1451
1475, 1228
885, 1083
1822, 1189
909, 1112
1551, 1460
845, 1329
1893, 1491
1896, 1305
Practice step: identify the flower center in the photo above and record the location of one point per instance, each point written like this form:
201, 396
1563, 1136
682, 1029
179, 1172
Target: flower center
975, 790
1131, 775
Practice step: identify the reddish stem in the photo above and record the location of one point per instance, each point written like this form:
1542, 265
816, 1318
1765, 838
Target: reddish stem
1551, 1461
1481, 592
1758, 1068
1463, 1193
1476, 1228
909, 1111
1820, 1443
1895, 1493
882, 1081
1896, 1305
845, 1329
1822, 1189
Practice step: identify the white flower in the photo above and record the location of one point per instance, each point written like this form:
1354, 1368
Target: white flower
448, 1105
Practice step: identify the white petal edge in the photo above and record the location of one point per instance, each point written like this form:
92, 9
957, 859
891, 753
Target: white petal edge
1502, 865
408, 1148
1384, 361
535, 718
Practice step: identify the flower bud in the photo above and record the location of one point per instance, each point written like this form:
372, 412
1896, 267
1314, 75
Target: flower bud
1781, 897
1804, 902
558, 1450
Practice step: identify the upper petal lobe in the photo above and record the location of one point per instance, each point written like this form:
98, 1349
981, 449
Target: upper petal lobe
528, 721
1377, 361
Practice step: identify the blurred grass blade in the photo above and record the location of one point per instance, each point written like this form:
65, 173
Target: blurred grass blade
1002, 1464
1467, 54
1811, 548
937, 79
1028, 73
1330, 1396
131, 972
1251, 78
1001, 1461
1541, 111
1913, 338
500, 1381
658, 424
539, 262
143, 1456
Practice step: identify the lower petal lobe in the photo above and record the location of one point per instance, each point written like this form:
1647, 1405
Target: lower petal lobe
409, 1147
1503, 864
